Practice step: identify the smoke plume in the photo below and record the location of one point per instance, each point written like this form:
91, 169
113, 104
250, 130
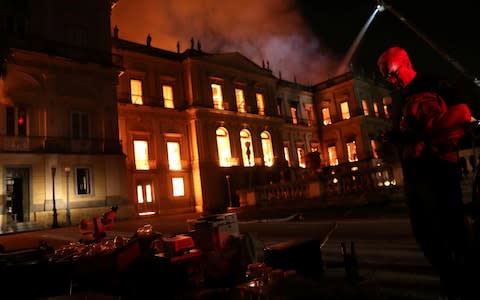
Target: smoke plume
264, 31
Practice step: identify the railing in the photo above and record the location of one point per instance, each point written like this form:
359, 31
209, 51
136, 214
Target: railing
339, 181
41, 144
281, 192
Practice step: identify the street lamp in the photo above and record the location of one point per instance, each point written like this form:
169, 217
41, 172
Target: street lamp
55, 217
67, 174
229, 191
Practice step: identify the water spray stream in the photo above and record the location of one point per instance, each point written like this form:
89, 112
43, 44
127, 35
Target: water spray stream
348, 57
442, 53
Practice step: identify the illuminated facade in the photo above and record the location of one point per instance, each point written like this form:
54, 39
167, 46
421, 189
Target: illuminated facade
226, 128
59, 145
354, 110
88, 121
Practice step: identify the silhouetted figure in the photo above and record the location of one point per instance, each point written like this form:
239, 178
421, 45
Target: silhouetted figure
192, 42
431, 126
149, 40
178, 47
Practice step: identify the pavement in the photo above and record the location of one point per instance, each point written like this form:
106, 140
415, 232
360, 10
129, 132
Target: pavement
334, 287
302, 211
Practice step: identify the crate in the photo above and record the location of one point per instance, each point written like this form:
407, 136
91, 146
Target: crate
211, 232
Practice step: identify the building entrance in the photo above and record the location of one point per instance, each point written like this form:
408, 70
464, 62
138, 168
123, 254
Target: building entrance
17, 194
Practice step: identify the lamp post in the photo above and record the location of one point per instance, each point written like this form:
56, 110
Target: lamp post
55, 217
67, 174
229, 191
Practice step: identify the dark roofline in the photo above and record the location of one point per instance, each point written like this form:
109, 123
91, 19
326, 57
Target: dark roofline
149, 50
295, 85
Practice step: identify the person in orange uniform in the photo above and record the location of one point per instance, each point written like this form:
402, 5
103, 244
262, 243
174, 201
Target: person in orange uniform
433, 118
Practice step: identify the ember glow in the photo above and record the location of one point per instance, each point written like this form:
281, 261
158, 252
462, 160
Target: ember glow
269, 32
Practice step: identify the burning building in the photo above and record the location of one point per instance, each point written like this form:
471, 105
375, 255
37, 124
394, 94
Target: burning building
93, 120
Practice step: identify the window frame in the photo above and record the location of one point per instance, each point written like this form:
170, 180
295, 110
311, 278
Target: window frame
217, 98
88, 190
83, 130
223, 161
267, 148
260, 100
241, 107
136, 98
248, 158
171, 102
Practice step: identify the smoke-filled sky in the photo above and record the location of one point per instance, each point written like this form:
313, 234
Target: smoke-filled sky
266, 30
308, 39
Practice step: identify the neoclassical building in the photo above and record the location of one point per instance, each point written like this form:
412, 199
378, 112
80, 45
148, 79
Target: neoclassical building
89, 120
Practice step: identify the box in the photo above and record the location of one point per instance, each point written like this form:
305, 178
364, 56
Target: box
211, 232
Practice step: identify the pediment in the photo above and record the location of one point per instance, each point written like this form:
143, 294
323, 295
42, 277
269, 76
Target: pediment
238, 62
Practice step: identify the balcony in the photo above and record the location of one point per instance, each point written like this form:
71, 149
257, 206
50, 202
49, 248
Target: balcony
41, 144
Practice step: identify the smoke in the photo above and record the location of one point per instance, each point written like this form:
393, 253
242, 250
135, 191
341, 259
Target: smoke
264, 31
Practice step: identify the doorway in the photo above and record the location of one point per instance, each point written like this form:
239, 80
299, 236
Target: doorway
18, 193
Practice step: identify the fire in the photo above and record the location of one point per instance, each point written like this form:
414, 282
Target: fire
264, 31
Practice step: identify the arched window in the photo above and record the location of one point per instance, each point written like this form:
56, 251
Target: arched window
247, 148
223, 147
267, 148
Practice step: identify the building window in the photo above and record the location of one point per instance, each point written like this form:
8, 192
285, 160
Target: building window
294, 112
345, 110
144, 193
83, 181
136, 91
140, 148
80, 125
365, 107
326, 116
387, 101
247, 148
332, 156
373, 145
174, 159
168, 96
375, 109
16, 121
352, 151
260, 104
286, 154
267, 148
240, 99
223, 147
309, 113
279, 106
178, 187
217, 96
301, 157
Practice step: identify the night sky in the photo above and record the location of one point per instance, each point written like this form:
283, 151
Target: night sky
307, 40
453, 26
